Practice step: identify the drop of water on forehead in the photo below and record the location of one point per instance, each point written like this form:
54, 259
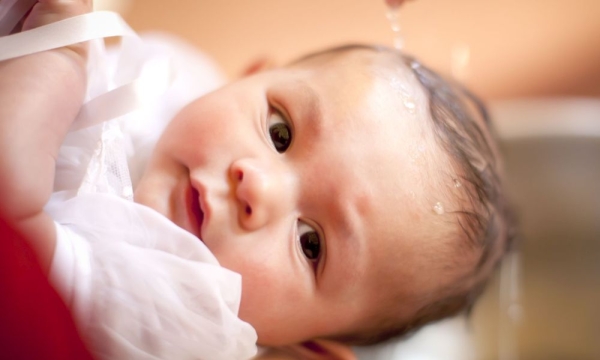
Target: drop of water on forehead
413, 195
407, 99
410, 105
438, 208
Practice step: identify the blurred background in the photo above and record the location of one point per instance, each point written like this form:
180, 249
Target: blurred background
509, 47
537, 63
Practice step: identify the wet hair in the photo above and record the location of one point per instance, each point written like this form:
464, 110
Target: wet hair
462, 128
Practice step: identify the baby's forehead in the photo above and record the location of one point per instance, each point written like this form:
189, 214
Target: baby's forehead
392, 84
387, 67
420, 158
376, 61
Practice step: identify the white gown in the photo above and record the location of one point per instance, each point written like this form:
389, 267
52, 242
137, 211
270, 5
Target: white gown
139, 287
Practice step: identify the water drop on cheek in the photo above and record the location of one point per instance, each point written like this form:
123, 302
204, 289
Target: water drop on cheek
407, 100
457, 183
438, 208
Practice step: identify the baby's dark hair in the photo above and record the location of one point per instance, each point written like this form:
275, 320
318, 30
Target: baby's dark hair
462, 128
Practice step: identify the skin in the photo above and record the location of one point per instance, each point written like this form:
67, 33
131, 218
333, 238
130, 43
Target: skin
335, 178
348, 176
40, 96
394, 3
54, 81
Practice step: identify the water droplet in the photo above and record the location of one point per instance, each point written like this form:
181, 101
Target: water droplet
460, 58
410, 105
398, 42
392, 15
457, 183
438, 208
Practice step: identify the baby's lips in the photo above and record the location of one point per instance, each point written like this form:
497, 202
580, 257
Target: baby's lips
199, 207
195, 211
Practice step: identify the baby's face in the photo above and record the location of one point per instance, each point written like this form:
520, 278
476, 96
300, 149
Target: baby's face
307, 181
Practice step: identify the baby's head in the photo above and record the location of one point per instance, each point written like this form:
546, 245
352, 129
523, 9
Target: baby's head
355, 191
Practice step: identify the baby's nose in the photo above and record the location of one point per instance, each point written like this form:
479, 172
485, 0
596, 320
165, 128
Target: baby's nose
263, 193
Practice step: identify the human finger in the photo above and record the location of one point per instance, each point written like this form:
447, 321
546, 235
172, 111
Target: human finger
394, 3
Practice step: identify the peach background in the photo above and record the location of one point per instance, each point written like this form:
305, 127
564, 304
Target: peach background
516, 47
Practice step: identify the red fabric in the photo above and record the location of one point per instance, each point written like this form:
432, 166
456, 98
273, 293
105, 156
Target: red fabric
34, 322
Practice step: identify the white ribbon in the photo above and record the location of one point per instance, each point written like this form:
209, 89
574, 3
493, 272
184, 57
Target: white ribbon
95, 25
132, 88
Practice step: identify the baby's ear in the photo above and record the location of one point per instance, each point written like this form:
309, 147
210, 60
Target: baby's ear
258, 65
323, 350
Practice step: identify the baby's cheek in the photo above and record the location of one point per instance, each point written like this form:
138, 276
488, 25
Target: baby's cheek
258, 306
270, 317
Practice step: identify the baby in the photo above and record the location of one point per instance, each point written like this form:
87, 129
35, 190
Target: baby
356, 192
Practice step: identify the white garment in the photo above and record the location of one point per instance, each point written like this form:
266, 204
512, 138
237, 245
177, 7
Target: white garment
139, 287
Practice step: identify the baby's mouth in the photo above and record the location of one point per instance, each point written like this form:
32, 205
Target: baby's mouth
196, 212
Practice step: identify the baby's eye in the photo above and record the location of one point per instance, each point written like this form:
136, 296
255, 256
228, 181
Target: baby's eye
279, 131
310, 241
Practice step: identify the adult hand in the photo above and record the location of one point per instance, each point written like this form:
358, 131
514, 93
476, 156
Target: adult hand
54, 82
49, 11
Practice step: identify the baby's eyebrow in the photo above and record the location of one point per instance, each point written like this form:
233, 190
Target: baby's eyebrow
347, 268
312, 106
346, 241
